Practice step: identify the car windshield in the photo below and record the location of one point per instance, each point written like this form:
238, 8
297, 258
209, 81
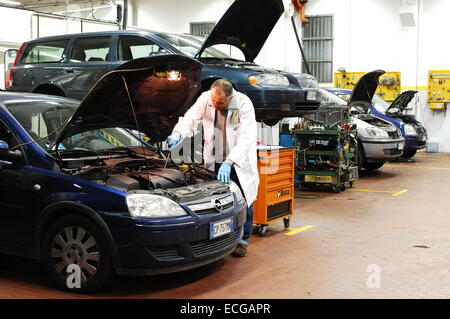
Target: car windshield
327, 98
43, 120
104, 139
190, 45
380, 104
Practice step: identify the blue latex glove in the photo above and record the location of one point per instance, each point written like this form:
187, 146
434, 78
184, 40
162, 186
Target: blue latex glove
224, 173
173, 140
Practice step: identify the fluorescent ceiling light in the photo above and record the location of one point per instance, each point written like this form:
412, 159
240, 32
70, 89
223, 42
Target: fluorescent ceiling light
83, 9
14, 3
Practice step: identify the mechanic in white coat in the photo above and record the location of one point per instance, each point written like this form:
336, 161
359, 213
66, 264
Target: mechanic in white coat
230, 134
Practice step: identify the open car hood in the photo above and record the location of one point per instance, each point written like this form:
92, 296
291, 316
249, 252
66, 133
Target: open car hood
402, 100
160, 89
364, 90
246, 25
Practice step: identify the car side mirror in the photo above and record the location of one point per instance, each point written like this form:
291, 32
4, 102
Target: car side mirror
6, 154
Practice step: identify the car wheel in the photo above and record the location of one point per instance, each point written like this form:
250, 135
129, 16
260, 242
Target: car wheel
409, 153
76, 255
372, 165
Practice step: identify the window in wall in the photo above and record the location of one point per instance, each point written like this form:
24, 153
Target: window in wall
202, 29
132, 47
317, 38
92, 49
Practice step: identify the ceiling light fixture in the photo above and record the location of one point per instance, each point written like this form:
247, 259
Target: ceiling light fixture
13, 3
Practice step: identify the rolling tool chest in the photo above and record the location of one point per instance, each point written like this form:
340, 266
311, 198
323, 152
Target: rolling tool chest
275, 199
326, 151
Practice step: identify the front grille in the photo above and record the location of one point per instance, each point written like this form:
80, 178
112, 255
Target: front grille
393, 135
207, 247
393, 151
208, 207
164, 253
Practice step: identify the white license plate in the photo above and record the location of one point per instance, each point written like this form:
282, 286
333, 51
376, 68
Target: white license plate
221, 228
400, 146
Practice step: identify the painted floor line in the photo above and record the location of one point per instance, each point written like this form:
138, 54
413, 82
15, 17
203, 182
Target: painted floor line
298, 230
394, 193
413, 166
371, 190
399, 193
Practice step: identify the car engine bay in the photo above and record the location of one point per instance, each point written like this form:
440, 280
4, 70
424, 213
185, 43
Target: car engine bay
137, 170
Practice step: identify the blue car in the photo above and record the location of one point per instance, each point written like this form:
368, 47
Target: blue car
82, 194
412, 130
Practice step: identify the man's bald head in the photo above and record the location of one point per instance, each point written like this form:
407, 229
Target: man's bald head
221, 94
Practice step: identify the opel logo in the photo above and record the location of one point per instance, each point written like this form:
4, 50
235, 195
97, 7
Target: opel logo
218, 205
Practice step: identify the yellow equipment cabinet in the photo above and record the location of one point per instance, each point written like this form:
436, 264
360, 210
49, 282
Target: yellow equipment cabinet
438, 89
389, 83
275, 199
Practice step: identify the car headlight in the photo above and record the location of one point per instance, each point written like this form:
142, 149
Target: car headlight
268, 79
311, 95
306, 81
153, 206
410, 130
376, 132
235, 189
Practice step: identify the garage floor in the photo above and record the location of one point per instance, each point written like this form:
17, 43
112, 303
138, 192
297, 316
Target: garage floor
387, 238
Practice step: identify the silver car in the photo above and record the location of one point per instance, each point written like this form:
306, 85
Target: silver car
379, 140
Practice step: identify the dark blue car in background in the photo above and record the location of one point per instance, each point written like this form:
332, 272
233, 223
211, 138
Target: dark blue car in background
69, 65
77, 189
412, 130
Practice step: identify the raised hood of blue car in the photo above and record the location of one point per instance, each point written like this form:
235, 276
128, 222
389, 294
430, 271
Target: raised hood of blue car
246, 25
402, 100
147, 94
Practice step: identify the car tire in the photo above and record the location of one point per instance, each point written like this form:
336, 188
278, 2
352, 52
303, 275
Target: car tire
370, 166
75, 239
408, 153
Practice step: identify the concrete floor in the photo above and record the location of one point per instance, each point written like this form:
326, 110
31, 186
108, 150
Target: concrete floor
387, 238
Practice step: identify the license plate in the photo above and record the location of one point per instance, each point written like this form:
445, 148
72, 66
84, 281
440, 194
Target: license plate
400, 146
221, 228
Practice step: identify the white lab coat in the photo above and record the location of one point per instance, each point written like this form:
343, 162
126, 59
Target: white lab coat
241, 137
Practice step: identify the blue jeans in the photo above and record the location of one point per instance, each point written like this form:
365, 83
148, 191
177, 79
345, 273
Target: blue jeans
248, 225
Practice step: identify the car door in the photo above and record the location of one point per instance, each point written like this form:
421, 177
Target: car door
16, 195
89, 60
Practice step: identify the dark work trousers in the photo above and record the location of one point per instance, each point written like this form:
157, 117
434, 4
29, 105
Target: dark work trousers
248, 226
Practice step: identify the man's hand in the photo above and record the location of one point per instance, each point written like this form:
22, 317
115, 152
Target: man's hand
173, 140
224, 172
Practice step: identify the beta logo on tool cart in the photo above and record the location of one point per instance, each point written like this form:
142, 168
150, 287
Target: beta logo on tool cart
283, 192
